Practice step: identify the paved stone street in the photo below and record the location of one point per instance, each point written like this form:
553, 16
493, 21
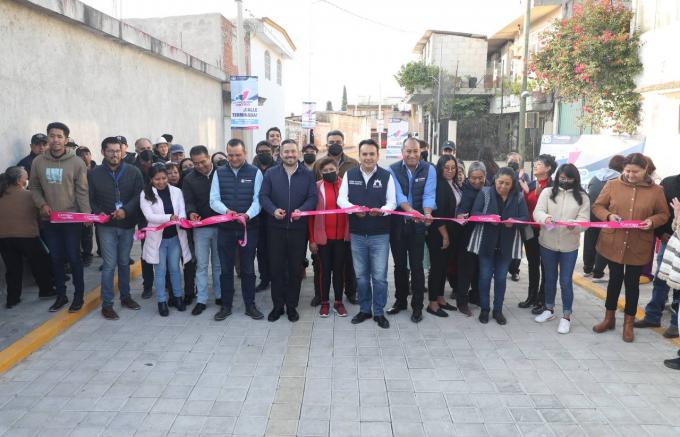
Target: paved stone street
183, 375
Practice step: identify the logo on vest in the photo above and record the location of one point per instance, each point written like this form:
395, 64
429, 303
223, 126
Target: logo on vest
419, 179
246, 181
377, 183
354, 182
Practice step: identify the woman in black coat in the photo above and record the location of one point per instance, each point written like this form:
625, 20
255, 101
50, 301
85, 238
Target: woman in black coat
442, 235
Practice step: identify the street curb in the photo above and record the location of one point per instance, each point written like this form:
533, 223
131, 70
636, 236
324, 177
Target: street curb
601, 293
62, 320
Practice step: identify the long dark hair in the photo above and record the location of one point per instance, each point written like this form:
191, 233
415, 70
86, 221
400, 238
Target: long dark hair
440, 170
570, 171
10, 178
156, 168
486, 157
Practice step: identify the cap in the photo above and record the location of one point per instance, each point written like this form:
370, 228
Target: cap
39, 138
160, 140
310, 146
448, 145
176, 148
121, 139
72, 143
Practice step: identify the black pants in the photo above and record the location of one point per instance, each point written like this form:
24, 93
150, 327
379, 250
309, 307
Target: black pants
263, 253
593, 262
408, 248
287, 249
439, 264
349, 274
147, 271
514, 266
86, 241
536, 271
13, 251
629, 276
190, 278
316, 268
468, 277
331, 261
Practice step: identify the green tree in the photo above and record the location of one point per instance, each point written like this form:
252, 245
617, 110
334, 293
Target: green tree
343, 106
417, 75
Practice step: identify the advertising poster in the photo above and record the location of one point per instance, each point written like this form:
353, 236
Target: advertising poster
397, 132
244, 102
308, 115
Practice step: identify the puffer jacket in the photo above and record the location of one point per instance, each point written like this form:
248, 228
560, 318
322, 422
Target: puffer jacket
563, 208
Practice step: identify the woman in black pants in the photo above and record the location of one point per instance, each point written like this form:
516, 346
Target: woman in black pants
441, 237
468, 262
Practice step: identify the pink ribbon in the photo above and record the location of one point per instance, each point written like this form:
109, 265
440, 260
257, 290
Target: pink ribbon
188, 224
77, 217
349, 210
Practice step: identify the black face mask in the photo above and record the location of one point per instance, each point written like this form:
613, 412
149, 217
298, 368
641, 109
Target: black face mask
330, 177
186, 172
221, 163
513, 165
265, 158
146, 155
309, 158
423, 155
335, 149
566, 185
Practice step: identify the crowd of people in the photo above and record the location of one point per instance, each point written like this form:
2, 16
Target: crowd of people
275, 204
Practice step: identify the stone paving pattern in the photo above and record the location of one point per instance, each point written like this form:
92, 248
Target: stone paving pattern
144, 375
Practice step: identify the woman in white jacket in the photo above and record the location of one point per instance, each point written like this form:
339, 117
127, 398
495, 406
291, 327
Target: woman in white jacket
160, 202
566, 201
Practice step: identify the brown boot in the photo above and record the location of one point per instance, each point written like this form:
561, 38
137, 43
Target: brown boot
628, 328
608, 323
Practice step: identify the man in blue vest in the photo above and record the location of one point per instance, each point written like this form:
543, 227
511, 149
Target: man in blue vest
416, 191
371, 186
287, 188
235, 189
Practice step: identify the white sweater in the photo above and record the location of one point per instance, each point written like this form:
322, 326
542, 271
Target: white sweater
564, 207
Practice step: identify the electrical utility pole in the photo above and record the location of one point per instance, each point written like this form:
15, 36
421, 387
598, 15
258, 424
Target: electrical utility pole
246, 135
522, 138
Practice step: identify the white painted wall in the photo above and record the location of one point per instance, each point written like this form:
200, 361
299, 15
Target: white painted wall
272, 112
57, 70
469, 54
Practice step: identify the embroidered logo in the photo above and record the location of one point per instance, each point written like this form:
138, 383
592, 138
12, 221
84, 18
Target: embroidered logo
377, 183
246, 181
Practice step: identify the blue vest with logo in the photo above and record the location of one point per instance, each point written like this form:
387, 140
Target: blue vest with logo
419, 179
372, 195
237, 190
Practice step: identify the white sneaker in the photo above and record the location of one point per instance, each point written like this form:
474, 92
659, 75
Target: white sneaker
545, 316
564, 326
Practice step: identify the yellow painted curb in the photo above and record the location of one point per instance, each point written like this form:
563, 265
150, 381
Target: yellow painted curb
601, 293
54, 326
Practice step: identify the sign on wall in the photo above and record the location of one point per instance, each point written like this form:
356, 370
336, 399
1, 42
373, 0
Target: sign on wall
308, 115
590, 153
397, 132
244, 102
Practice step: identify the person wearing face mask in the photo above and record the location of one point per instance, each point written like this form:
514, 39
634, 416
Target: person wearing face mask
264, 161
424, 150
516, 163
632, 196
309, 159
309, 156
327, 237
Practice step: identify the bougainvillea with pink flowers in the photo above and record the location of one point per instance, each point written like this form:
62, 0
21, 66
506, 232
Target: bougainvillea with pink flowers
593, 57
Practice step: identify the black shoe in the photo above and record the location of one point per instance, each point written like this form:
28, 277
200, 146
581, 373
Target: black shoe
293, 315
254, 313
484, 316
383, 322
131, 262
530, 302
218, 302
189, 298
361, 317
146, 294
222, 314
60, 302
179, 304
673, 363
396, 309
316, 301
439, 313
352, 298
500, 318
538, 309
76, 305
417, 316
198, 309
10, 305
514, 277
163, 309
275, 314
262, 286
645, 324
448, 307
50, 294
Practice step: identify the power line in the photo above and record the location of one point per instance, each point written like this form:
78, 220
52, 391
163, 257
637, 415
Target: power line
361, 17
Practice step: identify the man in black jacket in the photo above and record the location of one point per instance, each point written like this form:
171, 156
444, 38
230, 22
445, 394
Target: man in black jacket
196, 190
114, 190
263, 161
287, 188
38, 147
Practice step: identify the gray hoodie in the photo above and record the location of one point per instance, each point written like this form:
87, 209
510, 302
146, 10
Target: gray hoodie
596, 185
60, 182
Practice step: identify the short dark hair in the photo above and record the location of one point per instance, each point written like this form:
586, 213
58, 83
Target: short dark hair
289, 141
59, 125
370, 142
236, 142
335, 132
636, 159
109, 140
423, 144
616, 163
272, 129
264, 143
168, 138
199, 150
325, 161
548, 160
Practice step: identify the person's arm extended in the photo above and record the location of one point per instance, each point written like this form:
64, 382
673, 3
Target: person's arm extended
216, 203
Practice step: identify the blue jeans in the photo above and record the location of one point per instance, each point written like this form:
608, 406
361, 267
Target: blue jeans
566, 262
63, 241
205, 246
115, 246
660, 290
495, 265
228, 244
169, 259
369, 256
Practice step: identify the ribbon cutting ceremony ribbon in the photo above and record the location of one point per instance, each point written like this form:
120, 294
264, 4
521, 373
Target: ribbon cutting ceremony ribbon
188, 224
349, 210
77, 217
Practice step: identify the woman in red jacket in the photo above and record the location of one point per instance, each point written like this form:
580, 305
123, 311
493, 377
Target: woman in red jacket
327, 237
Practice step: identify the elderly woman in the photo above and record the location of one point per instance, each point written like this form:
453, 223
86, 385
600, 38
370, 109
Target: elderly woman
497, 244
632, 196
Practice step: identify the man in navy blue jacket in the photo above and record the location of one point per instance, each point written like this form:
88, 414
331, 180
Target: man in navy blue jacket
287, 188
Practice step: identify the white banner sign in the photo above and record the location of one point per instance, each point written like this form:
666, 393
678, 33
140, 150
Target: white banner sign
308, 115
244, 102
397, 132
